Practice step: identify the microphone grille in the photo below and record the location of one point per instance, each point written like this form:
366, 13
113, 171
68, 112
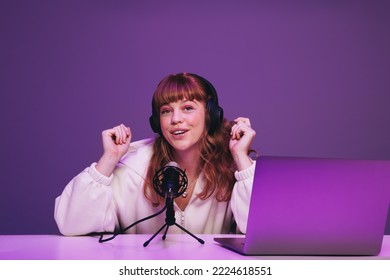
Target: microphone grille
170, 173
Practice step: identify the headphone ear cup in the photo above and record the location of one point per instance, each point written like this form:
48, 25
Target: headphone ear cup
216, 115
154, 124
220, 114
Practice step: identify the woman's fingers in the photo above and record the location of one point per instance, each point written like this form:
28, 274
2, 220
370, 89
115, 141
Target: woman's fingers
120, 134
242, 126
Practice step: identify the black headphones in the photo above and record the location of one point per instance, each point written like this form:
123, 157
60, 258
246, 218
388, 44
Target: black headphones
214, 110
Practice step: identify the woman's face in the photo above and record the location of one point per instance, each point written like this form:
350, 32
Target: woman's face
183, 124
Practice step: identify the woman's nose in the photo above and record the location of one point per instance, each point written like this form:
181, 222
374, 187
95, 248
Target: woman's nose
176, 117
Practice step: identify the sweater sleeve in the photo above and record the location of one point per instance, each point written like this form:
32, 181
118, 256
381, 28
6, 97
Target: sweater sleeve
86, 205
241, 196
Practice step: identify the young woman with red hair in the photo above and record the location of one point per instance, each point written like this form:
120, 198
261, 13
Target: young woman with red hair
191, 131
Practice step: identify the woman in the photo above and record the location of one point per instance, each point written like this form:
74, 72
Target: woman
191, 131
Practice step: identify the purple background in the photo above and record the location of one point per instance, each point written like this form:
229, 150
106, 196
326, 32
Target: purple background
313, 76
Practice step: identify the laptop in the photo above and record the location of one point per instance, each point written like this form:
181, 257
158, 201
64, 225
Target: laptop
315, 206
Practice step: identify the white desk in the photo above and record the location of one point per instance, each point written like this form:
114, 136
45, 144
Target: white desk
130, 247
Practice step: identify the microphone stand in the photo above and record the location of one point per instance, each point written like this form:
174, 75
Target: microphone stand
173, 174
170, 220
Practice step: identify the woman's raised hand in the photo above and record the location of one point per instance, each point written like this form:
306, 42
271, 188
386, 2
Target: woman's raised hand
116, 142
242, 135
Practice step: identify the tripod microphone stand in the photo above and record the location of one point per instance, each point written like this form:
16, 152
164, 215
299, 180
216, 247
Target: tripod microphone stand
170, 220
168, 182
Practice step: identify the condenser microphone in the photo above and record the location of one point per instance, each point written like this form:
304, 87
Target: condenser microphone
170, 181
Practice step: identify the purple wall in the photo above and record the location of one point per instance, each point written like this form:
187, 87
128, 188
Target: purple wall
313, 77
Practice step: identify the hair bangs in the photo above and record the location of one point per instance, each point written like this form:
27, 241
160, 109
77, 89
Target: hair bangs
175, 88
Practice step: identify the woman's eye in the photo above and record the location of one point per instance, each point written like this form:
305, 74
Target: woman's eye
164, 111
188, 108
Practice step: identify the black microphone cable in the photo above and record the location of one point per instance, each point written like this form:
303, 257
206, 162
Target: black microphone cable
121, 231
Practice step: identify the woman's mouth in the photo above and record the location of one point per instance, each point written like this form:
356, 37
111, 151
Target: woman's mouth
178, 132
